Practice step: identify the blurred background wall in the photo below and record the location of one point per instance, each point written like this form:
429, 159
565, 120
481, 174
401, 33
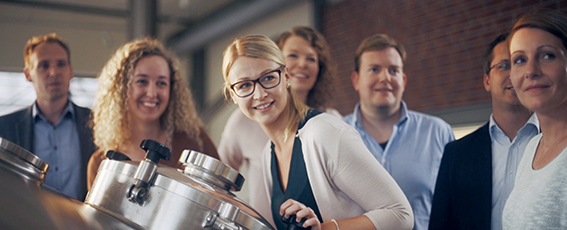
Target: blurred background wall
444, 40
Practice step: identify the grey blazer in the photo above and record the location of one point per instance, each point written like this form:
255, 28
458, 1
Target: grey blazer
18, 127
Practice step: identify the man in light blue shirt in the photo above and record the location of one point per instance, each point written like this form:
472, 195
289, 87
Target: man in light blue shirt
53, 128
408, 144
478, 171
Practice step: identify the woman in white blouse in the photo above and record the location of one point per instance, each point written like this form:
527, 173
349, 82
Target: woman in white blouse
538, 48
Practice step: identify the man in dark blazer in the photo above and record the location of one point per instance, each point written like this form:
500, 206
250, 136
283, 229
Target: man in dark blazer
53, 128
477, 172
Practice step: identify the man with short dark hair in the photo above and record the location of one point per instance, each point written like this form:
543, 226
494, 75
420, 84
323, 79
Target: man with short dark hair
53, 128
478, 171
408, 144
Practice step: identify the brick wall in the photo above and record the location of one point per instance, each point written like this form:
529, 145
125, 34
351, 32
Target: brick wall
444, 41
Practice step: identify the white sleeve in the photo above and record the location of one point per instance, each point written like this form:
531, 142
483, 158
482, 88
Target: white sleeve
333, 112
361, 177
230, 150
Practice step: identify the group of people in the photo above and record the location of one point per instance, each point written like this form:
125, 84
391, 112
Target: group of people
140, 96
381, 167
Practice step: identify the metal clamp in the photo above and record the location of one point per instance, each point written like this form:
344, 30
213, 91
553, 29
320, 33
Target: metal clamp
218, 223
138, 192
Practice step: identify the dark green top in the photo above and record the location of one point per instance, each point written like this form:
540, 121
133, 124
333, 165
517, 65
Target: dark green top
298, 186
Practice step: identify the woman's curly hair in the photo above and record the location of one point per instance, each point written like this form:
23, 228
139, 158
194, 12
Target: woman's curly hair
110, 110
321, 94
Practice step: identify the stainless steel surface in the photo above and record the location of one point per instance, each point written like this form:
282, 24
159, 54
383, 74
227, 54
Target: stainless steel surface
25, 203
145, 171
20, 160
175, 200
211, 170
138, 191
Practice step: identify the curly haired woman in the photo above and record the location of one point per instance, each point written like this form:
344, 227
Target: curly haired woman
141, 96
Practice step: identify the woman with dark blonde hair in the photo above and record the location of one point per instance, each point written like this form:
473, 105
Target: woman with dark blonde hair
538, 49
315, 167
312, 72
311, 67
141, 96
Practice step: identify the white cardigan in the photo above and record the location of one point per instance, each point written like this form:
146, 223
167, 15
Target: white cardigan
347, 181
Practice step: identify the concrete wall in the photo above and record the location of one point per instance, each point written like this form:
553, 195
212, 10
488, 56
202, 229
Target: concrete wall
91, 38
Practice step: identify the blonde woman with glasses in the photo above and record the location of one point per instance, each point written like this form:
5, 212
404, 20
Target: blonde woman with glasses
312, 77
315, 167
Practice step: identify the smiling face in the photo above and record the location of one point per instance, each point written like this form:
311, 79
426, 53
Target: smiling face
303, 63
264, 105
50, 71
380, 81
149, 89
497, 81
539, 70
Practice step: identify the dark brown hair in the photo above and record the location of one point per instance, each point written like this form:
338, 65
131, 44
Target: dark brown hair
489, 53
321, 93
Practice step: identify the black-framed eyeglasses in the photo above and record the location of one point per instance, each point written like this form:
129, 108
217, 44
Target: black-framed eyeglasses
503, 66
267, 80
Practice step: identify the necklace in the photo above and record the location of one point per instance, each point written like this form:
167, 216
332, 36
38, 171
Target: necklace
546, 153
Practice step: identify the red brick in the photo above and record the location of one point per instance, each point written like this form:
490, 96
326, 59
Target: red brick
444, 40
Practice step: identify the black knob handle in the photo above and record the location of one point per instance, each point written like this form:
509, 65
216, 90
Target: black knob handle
292, 224
117, 156
155, 150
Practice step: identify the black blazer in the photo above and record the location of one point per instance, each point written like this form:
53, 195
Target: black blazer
463, 193
18, 127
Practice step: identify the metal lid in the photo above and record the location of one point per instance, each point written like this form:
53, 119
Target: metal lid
22, 161
201, 203
27, 204
211, 170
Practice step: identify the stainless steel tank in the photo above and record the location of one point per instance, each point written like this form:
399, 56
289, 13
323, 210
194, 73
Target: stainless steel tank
26, 203
161, 197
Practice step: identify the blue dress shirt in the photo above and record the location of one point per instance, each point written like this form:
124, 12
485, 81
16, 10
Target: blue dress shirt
506, 156
58, 145
412, 155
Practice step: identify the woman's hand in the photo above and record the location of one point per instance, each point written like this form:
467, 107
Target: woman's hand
290, 207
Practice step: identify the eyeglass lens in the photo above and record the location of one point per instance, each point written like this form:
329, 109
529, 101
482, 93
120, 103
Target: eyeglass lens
502, 66
267, 81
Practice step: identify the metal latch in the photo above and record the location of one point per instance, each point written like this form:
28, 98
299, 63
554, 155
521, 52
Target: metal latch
155, 151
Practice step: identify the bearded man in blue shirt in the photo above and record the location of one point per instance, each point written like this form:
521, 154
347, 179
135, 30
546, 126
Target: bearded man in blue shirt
408, 144
53, 128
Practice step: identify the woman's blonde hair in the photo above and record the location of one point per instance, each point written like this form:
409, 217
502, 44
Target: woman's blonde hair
321, 94
260, 46
111, 118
